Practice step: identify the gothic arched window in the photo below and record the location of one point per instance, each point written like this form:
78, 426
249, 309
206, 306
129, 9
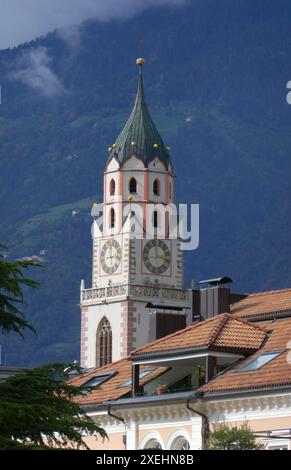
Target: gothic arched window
112, 218
155, 219
170, 190
104, 343
156, 187
112, 187
132, 185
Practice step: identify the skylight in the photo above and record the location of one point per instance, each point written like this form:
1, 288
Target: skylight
98, 380
259, 362
142, 374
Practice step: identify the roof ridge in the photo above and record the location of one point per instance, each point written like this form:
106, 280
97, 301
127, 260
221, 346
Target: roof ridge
254, 294
177, 333
217, 330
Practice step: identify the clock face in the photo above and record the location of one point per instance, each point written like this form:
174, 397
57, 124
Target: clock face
110, 256
156, 256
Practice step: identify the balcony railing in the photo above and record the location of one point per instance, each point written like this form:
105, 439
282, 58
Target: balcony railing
171, 294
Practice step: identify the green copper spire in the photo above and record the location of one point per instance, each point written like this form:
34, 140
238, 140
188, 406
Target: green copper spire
140, 136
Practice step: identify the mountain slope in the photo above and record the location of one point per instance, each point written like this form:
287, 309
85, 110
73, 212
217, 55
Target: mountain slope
224, 68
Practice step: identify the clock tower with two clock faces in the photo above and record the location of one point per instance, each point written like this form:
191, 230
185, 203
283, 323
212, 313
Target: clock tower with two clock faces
137, 290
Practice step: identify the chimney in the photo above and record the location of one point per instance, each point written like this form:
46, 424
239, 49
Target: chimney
213, 297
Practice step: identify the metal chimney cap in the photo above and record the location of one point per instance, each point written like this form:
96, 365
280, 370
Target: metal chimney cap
217, 281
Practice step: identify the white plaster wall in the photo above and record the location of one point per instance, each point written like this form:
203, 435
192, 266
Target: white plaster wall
95, 314
133, 163
156, 165
113, 165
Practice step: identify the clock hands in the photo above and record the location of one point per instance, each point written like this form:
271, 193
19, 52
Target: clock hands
163, 257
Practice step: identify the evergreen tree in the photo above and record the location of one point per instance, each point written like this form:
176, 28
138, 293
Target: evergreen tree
37, 406
37, 410
12, 280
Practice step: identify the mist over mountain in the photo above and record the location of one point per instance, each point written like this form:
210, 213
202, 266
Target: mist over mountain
215, 81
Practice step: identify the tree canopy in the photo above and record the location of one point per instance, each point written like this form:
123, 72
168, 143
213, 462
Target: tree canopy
37, 406
12, 281
224, 437
37, 410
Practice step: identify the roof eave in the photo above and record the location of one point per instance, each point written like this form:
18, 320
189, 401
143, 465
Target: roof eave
238, 392
174, 353
137, 401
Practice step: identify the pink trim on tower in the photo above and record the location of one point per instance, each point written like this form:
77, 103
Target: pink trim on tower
167, 189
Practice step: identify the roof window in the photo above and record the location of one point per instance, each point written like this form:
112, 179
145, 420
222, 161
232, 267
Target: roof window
259, 362
142, 374
98, 380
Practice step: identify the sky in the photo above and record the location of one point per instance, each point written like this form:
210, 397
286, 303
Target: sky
24, 20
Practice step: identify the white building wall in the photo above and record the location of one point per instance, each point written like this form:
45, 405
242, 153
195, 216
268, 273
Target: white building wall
95, 314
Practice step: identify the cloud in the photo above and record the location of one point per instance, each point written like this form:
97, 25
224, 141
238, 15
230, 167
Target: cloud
71, 35
23, 20
33, 69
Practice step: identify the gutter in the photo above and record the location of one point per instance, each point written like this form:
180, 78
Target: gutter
174, 397
144, 400
267, 316
119, 418
205, 428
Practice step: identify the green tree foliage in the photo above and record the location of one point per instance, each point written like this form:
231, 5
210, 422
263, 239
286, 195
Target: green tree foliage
37, 407
12, 280
225, 437
37, 411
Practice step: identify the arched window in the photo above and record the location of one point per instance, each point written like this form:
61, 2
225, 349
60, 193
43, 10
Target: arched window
180, 443
112, 187
155, 219
153, 444
170, 190
104, 343
112, 218
132, 186
156, 187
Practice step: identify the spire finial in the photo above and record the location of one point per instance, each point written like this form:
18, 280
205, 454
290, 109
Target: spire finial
140, 61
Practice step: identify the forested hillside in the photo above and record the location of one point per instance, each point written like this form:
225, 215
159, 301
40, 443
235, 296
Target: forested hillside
215, 81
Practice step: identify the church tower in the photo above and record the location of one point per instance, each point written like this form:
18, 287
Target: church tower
137, 290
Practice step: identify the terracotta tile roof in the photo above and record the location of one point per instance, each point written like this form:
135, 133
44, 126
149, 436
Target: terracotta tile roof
275, 373
262, 303
223, 332
109, 390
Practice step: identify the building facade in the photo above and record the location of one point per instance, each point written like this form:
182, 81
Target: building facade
233, 368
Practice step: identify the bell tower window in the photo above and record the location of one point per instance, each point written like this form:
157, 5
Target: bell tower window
155, 219
132, 186
112, 187
104, 343
112, 218
156, 187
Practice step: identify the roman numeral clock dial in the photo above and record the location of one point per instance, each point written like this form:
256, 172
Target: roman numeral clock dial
156, 256
110, 257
